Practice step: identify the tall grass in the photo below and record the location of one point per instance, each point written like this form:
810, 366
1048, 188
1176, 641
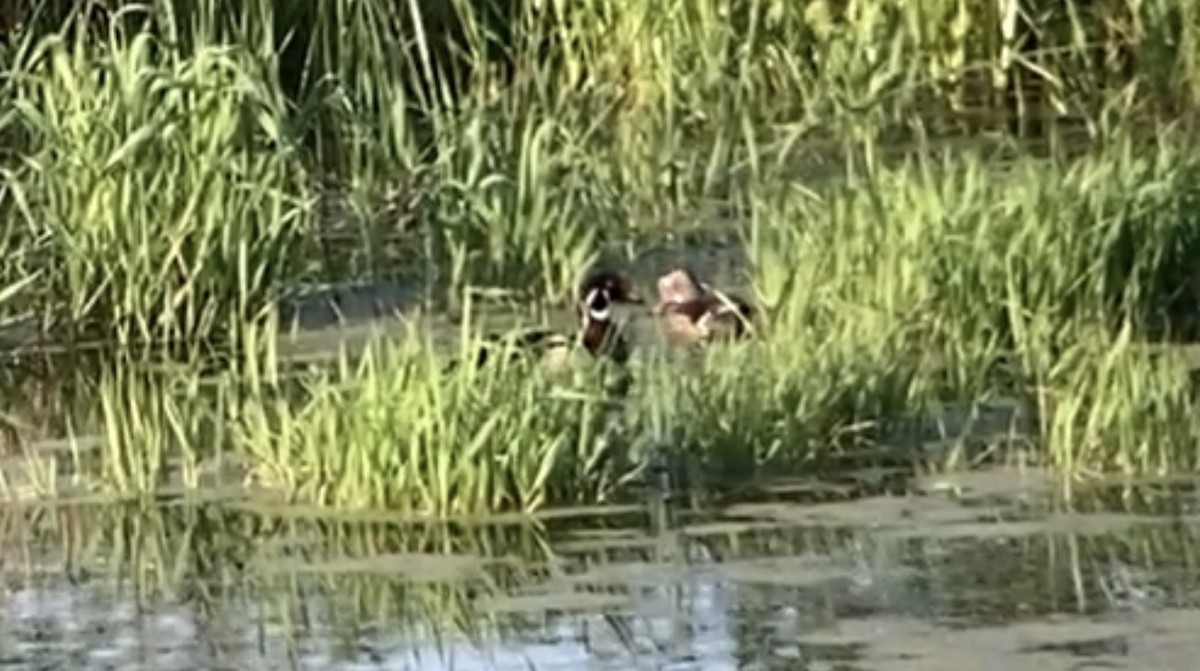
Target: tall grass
884, 299
174, 166
379, 431
159, 193
165, 156
1042, 279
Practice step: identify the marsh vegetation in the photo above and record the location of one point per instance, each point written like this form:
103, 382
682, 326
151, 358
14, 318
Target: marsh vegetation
940, 208
246, 248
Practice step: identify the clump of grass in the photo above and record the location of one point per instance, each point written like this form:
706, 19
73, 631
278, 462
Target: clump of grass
396, 429
786, 405
517, 205
1042, 276
158, 190
401, 429
963, 251
123, 428
1115, 406
159, 429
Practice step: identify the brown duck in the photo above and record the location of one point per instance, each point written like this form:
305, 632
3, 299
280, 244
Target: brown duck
694, 312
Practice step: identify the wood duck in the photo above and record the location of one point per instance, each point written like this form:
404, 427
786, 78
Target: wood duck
695, 312
599, 334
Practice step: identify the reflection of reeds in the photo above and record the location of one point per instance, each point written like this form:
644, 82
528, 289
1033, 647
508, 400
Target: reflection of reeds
333, 577
312, 576
985, 565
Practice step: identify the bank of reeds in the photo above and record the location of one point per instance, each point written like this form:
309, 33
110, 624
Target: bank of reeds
892, 306
164, 159
169, 165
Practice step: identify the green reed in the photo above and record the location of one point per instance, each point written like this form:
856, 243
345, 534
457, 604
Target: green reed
166, 157
375, 432
166, 168
1044, 280
399, 428
119, 428
158, 190
884, 298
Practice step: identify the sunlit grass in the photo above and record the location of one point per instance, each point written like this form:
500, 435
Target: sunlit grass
884, 300
1040, 280
393, 428
165, 158
158, 192
165, 169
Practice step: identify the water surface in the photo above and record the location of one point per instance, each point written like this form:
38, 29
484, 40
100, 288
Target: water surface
982, 570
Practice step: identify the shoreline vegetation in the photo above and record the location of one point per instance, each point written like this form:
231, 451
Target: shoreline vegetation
942, 207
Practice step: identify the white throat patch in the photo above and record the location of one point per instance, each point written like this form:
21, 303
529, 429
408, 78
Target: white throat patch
593, 313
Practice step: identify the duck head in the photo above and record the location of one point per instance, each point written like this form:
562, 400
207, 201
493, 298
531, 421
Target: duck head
617, 287
679, 286
599, 334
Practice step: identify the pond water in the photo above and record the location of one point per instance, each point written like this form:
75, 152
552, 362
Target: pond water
982, 570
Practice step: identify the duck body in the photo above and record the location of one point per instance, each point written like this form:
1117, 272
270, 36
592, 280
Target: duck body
598, 334
695, 313
601, 338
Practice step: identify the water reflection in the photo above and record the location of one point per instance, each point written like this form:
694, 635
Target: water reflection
877, 583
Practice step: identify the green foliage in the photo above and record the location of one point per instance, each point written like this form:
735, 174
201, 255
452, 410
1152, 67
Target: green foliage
157, 191
164, 164
394, 429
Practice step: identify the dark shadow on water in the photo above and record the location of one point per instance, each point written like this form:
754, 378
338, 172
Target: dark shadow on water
348, 304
